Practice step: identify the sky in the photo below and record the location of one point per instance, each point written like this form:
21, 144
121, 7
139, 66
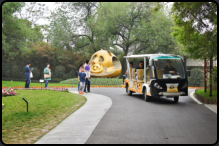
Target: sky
51, 7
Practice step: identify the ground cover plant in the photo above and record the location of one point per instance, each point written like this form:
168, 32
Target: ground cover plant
96, 81
22, 84
46, 110
204, 94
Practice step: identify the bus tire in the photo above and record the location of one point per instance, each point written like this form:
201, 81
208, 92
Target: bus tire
146, 97
128, 91
176, 98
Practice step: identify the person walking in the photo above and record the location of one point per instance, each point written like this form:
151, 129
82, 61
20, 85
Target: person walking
87, 71
81, 80
27, 72
79, 70
47, 75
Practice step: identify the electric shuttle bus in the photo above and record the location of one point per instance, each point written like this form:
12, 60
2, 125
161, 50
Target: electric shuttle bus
165, 75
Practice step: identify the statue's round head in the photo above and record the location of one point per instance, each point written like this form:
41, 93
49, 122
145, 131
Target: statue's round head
105, 64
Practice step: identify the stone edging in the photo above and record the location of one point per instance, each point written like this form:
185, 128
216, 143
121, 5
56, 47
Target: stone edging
204, 100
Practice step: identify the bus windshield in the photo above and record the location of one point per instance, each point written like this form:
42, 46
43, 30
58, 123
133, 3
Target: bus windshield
168, 67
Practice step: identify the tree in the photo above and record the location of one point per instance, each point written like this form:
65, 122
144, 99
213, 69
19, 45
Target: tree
32, 11
197, 30
67, 20
137, 27
157, 35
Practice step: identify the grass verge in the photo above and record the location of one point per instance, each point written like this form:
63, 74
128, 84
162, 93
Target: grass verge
46, 110
205, 95
20, 83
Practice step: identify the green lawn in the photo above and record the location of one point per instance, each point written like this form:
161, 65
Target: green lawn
22, 83
206, 95
46, 110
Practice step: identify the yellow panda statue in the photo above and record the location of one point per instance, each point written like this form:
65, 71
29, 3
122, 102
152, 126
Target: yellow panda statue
105, 64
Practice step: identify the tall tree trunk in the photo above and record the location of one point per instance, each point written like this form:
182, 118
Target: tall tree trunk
211, 70
126, 53
205, 75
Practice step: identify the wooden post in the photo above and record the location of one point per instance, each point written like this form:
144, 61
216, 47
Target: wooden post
205, 75
211, 70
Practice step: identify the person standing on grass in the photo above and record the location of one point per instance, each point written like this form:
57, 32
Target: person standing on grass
81, 80
87, 71
47, 75
81, 65
27, 72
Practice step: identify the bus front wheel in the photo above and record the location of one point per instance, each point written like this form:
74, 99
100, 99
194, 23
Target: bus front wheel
176, 98
146, 97
128, 91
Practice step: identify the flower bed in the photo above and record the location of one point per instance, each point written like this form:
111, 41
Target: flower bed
8, 92
12, 92
53, 89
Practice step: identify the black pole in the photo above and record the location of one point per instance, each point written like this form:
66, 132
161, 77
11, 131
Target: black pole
26, 102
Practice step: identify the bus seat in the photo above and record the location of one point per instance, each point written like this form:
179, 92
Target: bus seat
148, 75
160, 73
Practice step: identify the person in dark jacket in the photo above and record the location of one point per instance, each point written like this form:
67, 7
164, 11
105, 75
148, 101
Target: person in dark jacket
79, 70
27, 71
170, 69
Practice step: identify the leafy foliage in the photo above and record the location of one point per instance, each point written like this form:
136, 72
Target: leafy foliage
196, 27
5, 70
196, 78
96, 81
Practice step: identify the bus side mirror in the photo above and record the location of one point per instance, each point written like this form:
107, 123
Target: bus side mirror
188, 73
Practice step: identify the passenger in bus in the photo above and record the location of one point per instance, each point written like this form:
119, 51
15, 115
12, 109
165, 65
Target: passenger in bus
170, 69
141, 66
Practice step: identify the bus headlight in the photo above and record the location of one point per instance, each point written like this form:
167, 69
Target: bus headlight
157, 86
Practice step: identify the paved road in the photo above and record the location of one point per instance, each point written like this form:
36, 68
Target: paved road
160, 121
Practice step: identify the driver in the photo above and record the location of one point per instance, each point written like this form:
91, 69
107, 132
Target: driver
170, 69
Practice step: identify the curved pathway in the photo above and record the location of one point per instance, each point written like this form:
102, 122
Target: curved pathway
160, 121
132, 120
77, 128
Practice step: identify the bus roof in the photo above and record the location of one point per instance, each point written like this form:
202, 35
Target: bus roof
150, 55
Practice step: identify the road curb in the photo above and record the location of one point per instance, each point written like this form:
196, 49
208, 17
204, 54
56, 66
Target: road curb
191, 95
212, 107
77, 128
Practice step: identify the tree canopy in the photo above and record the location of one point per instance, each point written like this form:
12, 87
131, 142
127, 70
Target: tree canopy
78, 29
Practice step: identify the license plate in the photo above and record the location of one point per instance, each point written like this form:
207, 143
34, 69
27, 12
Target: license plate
172, 87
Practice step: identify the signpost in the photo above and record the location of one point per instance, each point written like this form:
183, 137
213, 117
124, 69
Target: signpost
26, 102
41, 81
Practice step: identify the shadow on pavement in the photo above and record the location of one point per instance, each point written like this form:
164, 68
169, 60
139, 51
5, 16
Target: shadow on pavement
156, 100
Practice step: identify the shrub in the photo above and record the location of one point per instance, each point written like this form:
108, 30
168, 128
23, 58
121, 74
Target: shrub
55, 80
96, 81
196, 78
5, 71
59, 71
36, 73
214, 79
15, 72
214, 74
